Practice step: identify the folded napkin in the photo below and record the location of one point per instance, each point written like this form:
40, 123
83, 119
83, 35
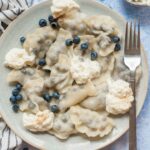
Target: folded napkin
9, 10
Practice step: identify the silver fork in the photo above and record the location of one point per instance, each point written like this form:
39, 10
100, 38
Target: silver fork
132, 59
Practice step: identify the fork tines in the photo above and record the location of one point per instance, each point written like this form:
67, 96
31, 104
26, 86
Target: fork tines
132, 38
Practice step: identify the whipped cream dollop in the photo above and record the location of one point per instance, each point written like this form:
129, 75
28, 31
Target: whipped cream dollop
40, 122
18, 58
83, 69
119, 98
61, 7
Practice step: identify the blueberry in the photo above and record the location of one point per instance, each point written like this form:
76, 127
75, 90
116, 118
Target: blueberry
115, 39
51, 19
42, 62
42, 23
13, 99
54, 25
56, 95
84, 46
15, 92
18, 86
94, 55
69, 42
47, 97
19, 97
15, 107
76, 40
117, 47
22, 39
54, 108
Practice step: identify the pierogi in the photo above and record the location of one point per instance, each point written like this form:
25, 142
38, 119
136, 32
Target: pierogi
69, 75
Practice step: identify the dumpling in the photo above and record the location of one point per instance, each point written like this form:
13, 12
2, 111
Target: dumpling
101, 23
77, 94
90, 122
58, 47
42, 121
107, 63
40, 39
62, 7
105, 44
119, 98
99, 101
15, 76
18, 58
63, 126
60, 77
73, 22
83, 69
92, 45
35, 85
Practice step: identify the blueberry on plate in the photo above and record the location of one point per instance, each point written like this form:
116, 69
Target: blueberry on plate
56, 95
22, 39
115, 39
117, 47
15, 107
54, 108
69, 42
47, 97
19, 97
84, 46
76, 40
54, 25
15, 92
94, 55
42, 62
42, 23
18, 86
13, 99
51, 19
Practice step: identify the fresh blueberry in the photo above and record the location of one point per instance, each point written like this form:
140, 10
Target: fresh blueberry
47, 97
15, 92
117, 47
54, 25
54, 108
56, 95
84, 46
22, 39
13, 99
115, 39
15, 107
69, 42
19, 97
94, 55
76, 40
18, 86
51, 19
42, 62
42, 23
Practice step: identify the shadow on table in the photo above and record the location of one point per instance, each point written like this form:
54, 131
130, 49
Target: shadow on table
135, 12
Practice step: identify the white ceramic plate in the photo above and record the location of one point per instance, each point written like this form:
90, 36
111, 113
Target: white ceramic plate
140, 4
26, 23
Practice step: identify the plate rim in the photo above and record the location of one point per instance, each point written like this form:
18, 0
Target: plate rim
28, 11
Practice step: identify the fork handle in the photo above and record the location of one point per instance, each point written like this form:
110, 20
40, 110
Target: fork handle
132, 117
